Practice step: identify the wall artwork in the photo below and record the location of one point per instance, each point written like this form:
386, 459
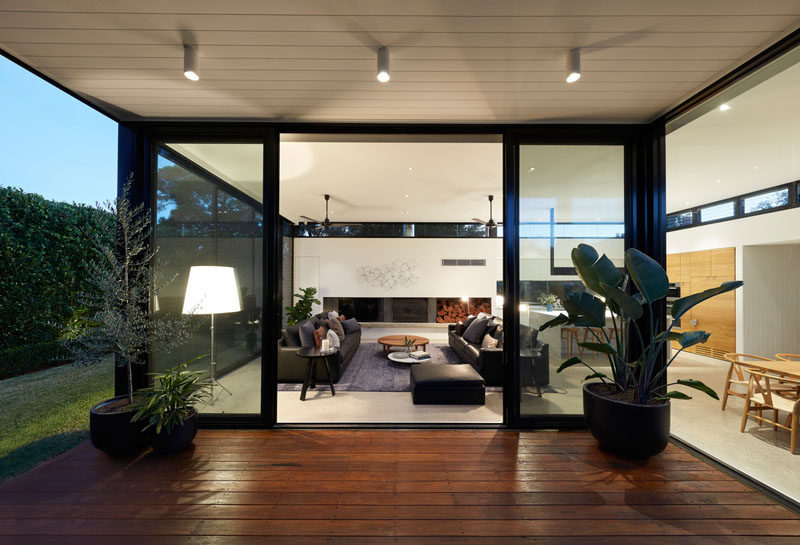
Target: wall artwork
389, 276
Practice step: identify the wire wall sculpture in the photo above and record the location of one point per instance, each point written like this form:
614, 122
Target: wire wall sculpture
389, 276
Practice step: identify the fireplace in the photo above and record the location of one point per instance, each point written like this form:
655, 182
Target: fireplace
409, 309
405, 309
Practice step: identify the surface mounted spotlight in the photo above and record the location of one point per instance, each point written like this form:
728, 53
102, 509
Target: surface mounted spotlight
190, 63
383, 65
574, 65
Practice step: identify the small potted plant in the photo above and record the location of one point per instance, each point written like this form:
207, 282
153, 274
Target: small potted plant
628, 411
167, 408
302, 308
409, 344
548, 299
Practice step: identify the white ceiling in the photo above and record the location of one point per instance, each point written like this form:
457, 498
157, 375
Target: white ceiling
753, 145
452, 60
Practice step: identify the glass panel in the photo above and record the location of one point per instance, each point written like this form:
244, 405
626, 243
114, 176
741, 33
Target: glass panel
765, 201
203, 217
575, 195
679, 220
718, 211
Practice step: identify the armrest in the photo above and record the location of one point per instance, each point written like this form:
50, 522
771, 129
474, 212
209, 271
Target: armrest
451, 327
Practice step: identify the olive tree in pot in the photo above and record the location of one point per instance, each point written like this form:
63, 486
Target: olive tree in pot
628, 412
120, 324
168, 408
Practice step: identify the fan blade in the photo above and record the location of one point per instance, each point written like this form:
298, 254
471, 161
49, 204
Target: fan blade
312, 220
479, 220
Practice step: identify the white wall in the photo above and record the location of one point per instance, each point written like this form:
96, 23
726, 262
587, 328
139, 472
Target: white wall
339, 260
772, 228
772, 320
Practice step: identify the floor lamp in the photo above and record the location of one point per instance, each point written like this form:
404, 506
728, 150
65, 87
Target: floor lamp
212, 290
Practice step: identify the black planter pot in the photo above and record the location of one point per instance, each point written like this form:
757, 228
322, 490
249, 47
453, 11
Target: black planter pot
626, 429
113, 432
178, 439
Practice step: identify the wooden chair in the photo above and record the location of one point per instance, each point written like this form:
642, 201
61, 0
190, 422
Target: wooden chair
736, 360
788, 357
572, 335
762, 396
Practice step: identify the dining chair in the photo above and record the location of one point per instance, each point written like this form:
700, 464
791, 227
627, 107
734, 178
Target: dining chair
788, 357
572, 336
761, 396
736, 361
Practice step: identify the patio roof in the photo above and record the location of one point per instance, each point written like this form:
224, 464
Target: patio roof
451, 60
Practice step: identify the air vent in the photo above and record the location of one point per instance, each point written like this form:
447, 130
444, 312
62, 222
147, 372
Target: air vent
463, 262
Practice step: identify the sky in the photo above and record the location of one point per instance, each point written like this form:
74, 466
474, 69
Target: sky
53, 144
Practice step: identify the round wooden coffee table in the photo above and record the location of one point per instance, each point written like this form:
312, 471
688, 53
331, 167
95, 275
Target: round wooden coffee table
397, 340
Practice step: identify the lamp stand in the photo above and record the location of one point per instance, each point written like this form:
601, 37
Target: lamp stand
214, 381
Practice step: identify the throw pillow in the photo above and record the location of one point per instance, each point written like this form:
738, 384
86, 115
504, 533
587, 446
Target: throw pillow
341, 318
335, 342
306, 332
319, 334
351, 326
468, 321
336, 327
291, 336
460, 328
489, 342
333, 314
475, 330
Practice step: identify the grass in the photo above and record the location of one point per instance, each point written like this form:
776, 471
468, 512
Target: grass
47, 413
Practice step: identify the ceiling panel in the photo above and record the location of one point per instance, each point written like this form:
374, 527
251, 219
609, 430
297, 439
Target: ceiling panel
459, 60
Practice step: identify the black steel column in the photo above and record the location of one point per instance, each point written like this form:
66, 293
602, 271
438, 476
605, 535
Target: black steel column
271, 314
511, 369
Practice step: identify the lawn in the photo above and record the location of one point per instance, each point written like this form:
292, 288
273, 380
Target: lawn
47, 413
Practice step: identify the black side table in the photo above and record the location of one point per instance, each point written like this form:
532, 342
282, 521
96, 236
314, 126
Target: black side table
313, 355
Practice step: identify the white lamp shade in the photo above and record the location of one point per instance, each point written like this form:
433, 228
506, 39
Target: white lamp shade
212, 290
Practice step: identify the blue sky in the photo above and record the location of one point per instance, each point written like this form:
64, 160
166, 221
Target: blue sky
53, 144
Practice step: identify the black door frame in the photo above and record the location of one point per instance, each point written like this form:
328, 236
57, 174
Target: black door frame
644, 224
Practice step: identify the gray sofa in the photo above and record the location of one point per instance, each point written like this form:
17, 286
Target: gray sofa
534, 354
292, 368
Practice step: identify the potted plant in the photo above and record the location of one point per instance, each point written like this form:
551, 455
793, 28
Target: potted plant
628, 411
547, 299
408, 344
167, 408
119, 324
302, 308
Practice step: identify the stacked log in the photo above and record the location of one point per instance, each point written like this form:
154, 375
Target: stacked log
450, 311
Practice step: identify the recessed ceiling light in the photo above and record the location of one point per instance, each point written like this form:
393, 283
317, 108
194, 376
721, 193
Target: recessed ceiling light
410, 168
405, 196
719, 181
724, 107
755, 168
531, 169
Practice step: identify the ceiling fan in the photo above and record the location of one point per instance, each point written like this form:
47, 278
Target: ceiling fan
491, 224
321, 224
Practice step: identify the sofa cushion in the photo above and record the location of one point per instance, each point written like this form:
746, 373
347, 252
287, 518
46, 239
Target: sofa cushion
468, 321
450, 375
306, 333
489, 342
336, 326
319, 334
350, 326
460, 327
475, 330
291, 336
472, 350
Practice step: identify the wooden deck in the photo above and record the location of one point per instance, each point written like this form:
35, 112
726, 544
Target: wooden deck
378, 486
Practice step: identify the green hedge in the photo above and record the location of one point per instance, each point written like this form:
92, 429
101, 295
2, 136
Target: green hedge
31, 357
44, 249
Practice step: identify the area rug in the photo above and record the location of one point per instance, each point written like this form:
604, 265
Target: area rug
371, 370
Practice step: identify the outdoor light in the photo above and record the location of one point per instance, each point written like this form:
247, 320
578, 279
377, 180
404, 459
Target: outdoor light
574, 65
212, 290
383, 65
190, 63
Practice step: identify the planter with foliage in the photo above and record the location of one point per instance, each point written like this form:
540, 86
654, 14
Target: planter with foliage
302, 308
119, 323
548, 300
628, 411
167, 409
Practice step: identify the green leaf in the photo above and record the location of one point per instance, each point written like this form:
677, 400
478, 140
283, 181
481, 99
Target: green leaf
647, 275
691, 338
627, 303
569, 363
684, 304
603, 348
558, 320
606, 273
697, 385
594, 375
671, 336
677, 395
586, 309
583, 257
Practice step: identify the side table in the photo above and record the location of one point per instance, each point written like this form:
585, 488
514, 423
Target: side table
313, 355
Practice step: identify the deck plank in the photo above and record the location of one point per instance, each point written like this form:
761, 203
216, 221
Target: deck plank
386, 486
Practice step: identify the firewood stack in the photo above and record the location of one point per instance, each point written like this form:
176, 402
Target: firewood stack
452, 310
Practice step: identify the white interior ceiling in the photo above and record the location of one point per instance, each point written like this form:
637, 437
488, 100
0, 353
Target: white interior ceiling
451, 60
753, 145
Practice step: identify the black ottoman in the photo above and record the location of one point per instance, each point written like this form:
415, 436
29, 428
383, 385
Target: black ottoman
441, 384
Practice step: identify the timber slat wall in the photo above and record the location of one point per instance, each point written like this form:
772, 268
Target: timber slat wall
375, 487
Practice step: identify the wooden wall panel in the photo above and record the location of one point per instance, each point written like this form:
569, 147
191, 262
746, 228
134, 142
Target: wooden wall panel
700, 263
723, 262
674, 267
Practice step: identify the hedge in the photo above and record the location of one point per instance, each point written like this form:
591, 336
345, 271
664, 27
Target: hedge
31, 357
44, 248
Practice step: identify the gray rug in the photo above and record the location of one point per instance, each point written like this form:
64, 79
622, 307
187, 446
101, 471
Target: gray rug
371, 370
